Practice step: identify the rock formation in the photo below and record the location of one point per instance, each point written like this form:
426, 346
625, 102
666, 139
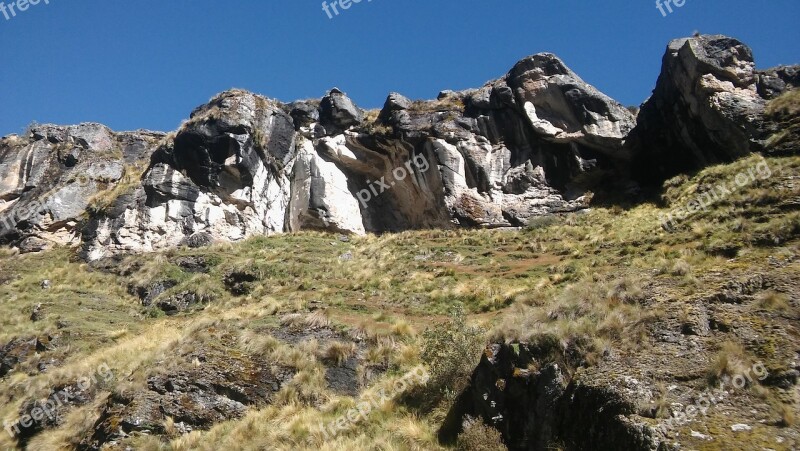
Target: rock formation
535, 142
707, 108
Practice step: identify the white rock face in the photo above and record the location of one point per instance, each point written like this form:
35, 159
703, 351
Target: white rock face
541, 126
561, 107
320, 196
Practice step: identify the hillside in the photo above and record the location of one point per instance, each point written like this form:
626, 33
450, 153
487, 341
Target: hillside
553, 272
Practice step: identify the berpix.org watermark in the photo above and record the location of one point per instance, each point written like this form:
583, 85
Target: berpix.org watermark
332, 9
665, 6
49, 408
11, 9
717, 193
368, 403
378, 187
709, 398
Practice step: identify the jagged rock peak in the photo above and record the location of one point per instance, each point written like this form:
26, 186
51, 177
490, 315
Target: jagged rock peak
537, 141
707, 107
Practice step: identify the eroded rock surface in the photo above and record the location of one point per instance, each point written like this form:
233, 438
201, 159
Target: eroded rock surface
535, 142
49, 178
707, 107
536, 404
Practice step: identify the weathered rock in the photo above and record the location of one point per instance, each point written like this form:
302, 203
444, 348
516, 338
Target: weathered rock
707, 108
304, 113
563, 108
18, 350
148, 293
240, 282
535, 408
337, 110
183, 301
773, 82
223, 178
49, 177
201, 388
538, 141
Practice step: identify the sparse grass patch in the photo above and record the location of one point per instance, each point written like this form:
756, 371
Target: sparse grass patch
731, 360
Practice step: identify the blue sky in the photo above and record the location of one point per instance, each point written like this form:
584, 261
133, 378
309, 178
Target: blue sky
147, 64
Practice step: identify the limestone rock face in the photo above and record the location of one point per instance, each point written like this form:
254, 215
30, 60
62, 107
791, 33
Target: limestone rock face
537, 141
50, 176
245, 165
224, 177
565, 109
707, 107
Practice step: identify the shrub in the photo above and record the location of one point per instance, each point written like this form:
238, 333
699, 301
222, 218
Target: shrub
477, 436
451, 351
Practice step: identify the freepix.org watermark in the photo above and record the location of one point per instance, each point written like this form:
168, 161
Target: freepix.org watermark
399, 174
707, 399
10, 10
48, 409
665, 6
17, 214
416, 377
332, 8
760, 171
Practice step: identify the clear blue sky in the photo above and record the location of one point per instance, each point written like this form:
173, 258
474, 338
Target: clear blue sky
147, 64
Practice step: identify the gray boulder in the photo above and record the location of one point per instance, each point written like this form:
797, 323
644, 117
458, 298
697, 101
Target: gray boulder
337, 110
707, 108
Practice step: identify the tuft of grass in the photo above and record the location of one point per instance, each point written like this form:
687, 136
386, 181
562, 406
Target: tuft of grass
451, 351
337, 352
773, 300
477, 436
731, 360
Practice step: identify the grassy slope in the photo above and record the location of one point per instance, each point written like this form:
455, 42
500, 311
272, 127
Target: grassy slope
611, 276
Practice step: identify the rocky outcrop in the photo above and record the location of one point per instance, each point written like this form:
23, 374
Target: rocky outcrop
537, 141
246, 165
773, 82
50, 176
707, 107
537, 405
224, 176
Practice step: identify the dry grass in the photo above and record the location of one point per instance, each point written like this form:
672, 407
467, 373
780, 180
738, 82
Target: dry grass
731, 360
477, 436
594, 282
337, 352
773, 301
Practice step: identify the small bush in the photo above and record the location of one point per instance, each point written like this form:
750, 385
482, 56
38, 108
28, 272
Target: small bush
477, 436
451, 351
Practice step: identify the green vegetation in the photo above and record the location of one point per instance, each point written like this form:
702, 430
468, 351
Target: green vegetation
578, 288
785, 110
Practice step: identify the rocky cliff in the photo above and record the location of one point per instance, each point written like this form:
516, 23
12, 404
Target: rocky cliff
535, 142
707, 108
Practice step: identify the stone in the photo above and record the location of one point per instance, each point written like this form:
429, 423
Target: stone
338, 110
706, 109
